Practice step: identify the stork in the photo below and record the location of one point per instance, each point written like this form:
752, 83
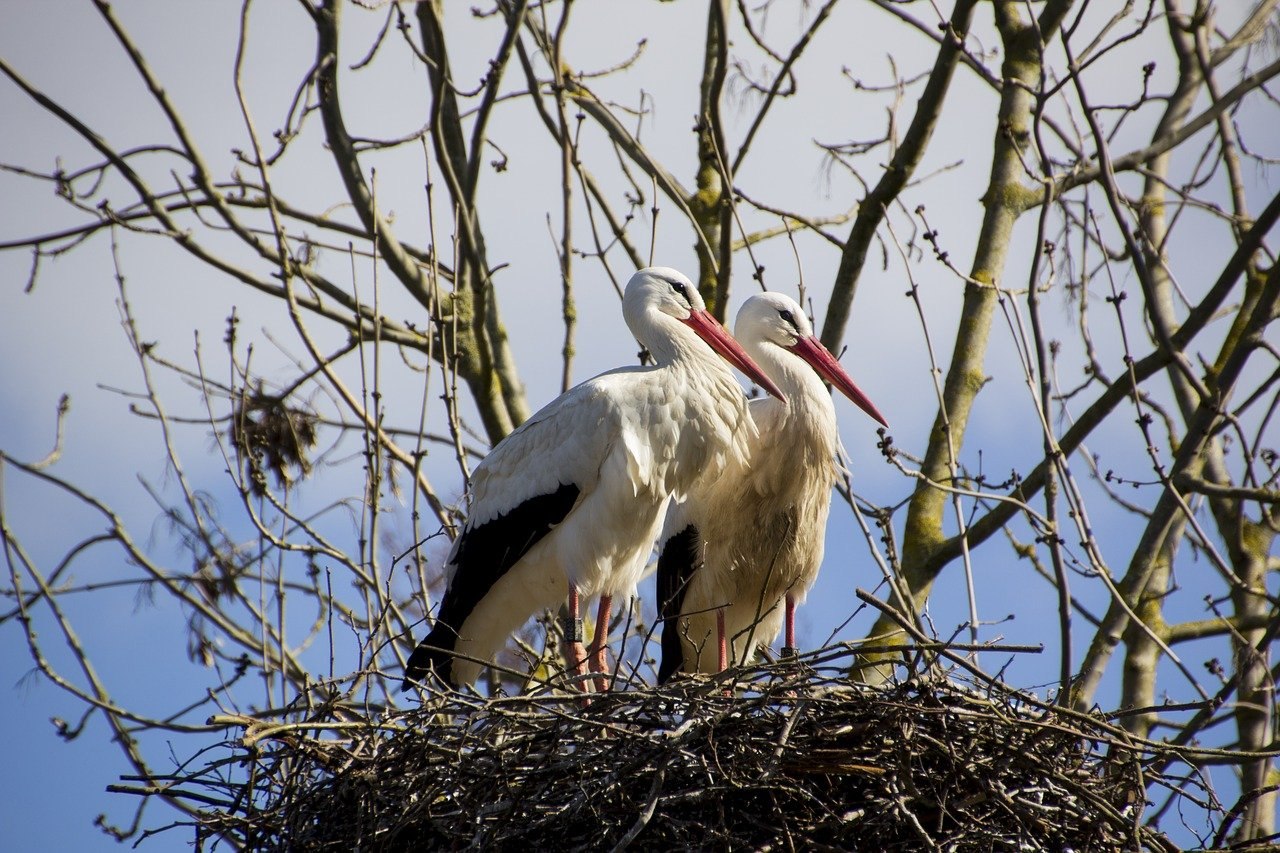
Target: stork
752, 538
568, 505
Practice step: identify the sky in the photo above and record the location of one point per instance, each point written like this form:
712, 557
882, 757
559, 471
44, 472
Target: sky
64, 336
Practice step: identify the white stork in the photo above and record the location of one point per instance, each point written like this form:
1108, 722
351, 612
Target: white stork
745, 541
569, 504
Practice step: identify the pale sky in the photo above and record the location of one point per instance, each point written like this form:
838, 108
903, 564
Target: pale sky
65, 336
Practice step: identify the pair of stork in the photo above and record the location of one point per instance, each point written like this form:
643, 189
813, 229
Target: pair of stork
569, 505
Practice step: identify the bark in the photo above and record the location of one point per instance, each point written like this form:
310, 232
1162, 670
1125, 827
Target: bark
710, 203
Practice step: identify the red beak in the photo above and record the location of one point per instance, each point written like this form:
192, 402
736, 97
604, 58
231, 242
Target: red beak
718, 338
821, 359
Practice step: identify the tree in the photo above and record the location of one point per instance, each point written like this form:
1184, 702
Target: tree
390, 184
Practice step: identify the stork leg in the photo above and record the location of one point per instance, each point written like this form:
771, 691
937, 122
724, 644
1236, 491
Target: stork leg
723, 646
790, 649
599, 664
575, 655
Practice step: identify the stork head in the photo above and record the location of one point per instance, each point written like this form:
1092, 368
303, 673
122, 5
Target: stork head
777, 319
662, 291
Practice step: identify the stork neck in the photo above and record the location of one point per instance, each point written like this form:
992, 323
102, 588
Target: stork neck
808, 399
673, 344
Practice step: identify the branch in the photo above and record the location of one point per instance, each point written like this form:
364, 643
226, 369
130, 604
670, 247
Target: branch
1118, 391
872, 209
1169, 506
1163, 144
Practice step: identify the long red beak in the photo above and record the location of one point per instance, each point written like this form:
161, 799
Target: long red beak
812, 351
718, 338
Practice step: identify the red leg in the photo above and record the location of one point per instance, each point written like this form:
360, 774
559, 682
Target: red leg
599, 664
575, 655
721, 640
722, 646
790, 649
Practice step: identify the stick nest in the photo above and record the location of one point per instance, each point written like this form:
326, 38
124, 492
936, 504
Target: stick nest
792, 761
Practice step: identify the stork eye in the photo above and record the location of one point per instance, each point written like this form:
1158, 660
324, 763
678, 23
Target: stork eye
679, 288
788, 317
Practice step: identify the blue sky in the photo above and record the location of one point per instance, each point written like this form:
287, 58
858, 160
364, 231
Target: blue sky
65, 336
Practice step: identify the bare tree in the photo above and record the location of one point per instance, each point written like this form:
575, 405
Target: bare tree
1116, 279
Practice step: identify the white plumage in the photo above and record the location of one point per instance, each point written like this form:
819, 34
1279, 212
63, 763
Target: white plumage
746, 546
570, 503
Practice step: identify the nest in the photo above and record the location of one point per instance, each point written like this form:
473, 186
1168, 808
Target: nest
788, 758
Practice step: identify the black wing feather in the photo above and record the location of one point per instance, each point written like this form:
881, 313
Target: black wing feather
676, 565
486, 553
